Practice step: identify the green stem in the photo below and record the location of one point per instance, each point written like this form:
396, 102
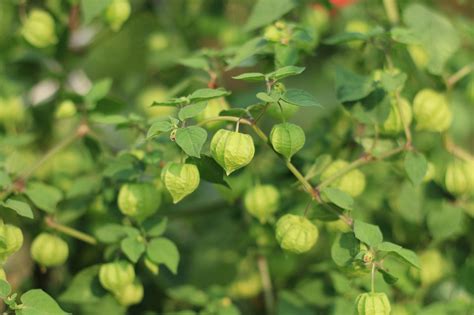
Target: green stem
372, 282
70, 231
392, 11
266, 284
225, 118
461, 73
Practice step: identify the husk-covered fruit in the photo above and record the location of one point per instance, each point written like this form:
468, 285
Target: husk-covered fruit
394, 124
117, 13
39, 29
49, 250
373, 304
130, 294
139, 200
232, 150
287, 139
262, 202
11, 238
116, 275
296, 233
180, 179
459, 179
431, 111
352, 182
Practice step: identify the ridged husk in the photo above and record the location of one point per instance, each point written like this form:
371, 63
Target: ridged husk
296, 233
262, 202
49, 250
139, 200
116, 275
287, 139
352, 183
180, 179
373, 304
431, 111
232, 150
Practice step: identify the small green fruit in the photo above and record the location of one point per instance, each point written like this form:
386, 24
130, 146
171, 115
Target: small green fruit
116, 275
431, 111
11, 240
272, 34
49, 250
393, 124
352, 183
433, 267
373, 304
247, 286
296, 233
66, 109
130, 294
232, 150
139, 200
459, 178
12, 110
357, 26
117, 13
262, 202
152, 94
180, 179
419, 55
39, 29
287, 139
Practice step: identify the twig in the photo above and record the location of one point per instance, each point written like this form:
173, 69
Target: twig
70, 231
372, 282
458, 152
267, 284
461, 73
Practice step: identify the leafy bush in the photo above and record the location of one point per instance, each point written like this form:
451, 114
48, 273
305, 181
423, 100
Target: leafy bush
275, 157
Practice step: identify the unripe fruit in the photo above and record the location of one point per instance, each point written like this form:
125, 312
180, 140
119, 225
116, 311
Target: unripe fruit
116, 275
430, 172
262, 202
180, 179
296, 233
431, 111
117, 13
373, 304
139, 200
39, 29
272, 33
246, 287
12, 110
232, 150
130, 294
12, 239
49, 250
419, 55
213, 108
66, 109
318, 17
459, 178
287, 139
433, 267
352, 183
394, 124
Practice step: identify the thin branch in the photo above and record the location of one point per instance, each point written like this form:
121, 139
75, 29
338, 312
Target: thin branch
458, 152
70, 231
461, 73
266, 284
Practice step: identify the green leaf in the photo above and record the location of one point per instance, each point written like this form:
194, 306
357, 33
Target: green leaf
344, 248
416, 167
285, 55
436, 33
388, 277
266, 11
84, 186
195, 62
404, 35
351, 86
108, 119
132, 247
209, 170
98, 91
20, 207
392, 82
191, 110
84, 286
38, 302
155, 226
367, 233
300, 98
172, 102
409, 203
266, 98
352, 36
163, 251
191, 139
285, 72
251, 76
339, 198
207, 94
159, 127
406, 254
5, 289
445, 222
93, 8
110, 233
45, 197
250, 48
